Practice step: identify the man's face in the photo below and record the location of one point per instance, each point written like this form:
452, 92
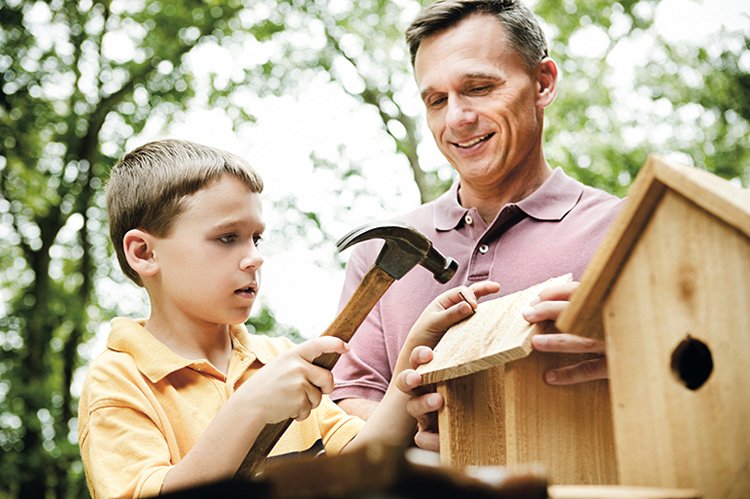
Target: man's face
481, 100
209, 262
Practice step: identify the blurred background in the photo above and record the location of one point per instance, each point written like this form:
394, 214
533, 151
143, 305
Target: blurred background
318, 95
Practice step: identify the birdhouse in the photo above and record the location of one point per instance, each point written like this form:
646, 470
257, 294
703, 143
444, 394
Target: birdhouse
669, 289
498, 409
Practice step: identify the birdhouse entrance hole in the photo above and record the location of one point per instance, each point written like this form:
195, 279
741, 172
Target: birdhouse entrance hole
692, 363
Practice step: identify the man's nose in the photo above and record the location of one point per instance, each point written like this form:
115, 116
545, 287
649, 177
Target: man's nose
459, 113
252, 259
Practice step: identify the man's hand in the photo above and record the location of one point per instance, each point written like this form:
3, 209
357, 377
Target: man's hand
421, 406
551, 302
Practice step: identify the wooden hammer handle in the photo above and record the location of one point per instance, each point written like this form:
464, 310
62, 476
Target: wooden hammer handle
375, 283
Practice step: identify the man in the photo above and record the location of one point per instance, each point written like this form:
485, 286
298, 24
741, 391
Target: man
485, 78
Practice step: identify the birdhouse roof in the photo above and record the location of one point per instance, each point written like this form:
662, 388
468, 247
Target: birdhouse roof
722, 199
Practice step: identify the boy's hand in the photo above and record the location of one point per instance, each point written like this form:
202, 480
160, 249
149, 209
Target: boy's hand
446, 310
548, 307
290, 386
421, 406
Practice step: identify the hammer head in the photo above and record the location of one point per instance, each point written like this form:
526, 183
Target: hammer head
404, 248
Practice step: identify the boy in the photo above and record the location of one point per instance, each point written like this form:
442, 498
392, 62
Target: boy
179, 398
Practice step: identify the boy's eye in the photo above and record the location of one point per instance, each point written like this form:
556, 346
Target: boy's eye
228, 238
257, 239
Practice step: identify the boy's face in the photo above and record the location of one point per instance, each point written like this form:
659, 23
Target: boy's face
209, 262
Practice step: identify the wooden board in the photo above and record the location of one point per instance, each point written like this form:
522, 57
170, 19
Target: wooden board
689, 274
496, 334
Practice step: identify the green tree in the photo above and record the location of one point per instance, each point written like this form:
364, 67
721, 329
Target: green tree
77, 78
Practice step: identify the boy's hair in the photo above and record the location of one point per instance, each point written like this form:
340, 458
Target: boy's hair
523, 30
147, 187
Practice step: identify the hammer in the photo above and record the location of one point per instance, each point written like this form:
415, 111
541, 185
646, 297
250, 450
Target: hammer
404, 248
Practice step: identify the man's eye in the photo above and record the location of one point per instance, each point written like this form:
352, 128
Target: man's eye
480, 90
436, 102
228, 238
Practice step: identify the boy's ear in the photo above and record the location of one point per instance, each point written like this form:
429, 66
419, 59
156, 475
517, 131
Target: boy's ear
139, 251
546, 82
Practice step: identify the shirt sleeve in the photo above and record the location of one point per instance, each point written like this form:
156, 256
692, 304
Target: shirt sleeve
336, 426
364, 372
123, 450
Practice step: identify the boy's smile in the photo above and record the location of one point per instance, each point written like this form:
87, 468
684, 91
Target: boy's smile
209, 261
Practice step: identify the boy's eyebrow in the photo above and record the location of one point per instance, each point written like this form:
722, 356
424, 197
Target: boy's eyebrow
234, 223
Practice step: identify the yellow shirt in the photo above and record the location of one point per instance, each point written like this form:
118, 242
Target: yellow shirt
143, 407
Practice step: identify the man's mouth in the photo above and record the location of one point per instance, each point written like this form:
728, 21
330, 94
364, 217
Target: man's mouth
473, 142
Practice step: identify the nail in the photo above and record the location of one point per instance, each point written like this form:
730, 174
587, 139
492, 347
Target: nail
473, 310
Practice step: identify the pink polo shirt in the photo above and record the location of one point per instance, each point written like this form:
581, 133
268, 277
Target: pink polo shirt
551, 232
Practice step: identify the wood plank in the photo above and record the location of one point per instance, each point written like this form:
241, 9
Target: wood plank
496, 334
472, 421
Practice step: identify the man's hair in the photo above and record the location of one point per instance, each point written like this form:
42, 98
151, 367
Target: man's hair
523, 29
147, 187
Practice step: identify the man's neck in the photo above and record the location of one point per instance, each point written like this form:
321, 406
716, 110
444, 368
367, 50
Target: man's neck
489, 199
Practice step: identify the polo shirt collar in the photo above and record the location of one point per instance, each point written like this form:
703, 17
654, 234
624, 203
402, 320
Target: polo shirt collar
551, 201
155, 360
554, 198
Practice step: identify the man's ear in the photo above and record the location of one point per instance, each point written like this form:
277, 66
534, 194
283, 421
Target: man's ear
546, 82
139, 251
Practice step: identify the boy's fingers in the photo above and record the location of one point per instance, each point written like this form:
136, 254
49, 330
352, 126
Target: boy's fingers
424, 406
321, 378
484, 288
312, 349
314, 396
408, 380
420, 355
427, 440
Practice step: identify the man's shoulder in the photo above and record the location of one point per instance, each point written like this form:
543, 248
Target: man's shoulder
599, 200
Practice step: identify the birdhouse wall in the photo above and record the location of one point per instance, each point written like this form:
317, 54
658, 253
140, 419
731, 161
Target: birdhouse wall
687, 277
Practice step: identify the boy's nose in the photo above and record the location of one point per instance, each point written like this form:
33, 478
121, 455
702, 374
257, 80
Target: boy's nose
252, 258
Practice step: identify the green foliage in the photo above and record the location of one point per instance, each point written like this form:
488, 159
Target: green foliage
77, 79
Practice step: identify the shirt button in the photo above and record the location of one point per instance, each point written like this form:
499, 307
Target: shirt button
468, 220
483, 248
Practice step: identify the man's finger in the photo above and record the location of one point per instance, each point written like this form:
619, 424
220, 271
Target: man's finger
566, 343
558, 292
588, 370
544, 311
